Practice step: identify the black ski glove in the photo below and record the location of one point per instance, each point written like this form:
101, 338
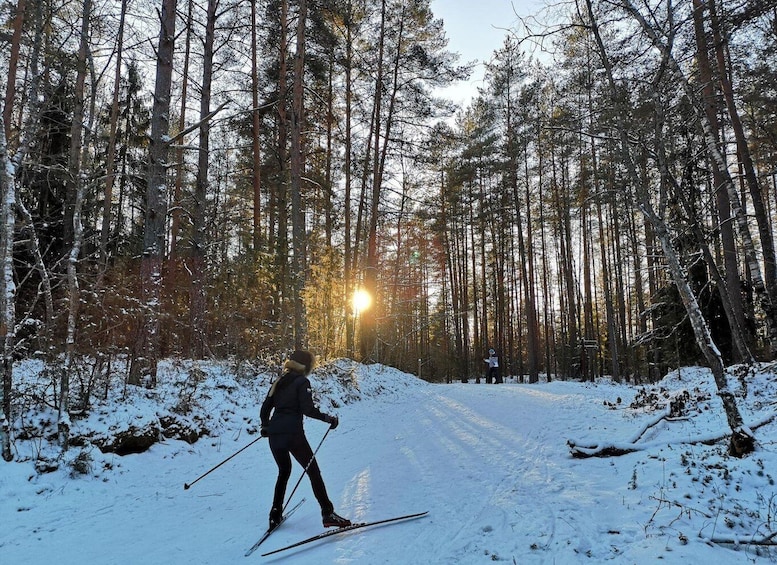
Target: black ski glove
264, 431
333, 422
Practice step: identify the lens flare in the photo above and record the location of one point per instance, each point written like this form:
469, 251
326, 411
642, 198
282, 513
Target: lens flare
361, 300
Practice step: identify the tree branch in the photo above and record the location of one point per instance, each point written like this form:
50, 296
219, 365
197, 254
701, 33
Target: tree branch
614, 449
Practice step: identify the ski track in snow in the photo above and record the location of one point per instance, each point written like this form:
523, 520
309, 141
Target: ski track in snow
497, 477
492, 486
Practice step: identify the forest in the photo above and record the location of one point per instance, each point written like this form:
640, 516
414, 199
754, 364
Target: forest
220, 178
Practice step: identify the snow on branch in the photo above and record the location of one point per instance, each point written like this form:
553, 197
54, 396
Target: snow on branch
613, 449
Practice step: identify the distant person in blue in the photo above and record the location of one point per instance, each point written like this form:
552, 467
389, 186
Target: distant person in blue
492, 376
289, 399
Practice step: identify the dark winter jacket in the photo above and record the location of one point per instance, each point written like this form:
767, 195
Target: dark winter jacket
292, 399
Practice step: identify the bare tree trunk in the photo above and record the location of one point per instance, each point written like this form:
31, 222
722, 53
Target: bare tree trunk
146, 353
299, 260
742, 442
7, 220
348, 271
13, 64
256, 173
567, 275
368, 327
529, 276
281, 207
590, 335
329, 212
710, 103
551, 367
7, 289
8, 199
77, 190
180, 164
599, 192
197, 294
110, 174
477, 284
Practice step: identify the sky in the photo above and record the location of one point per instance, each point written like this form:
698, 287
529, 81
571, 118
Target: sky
490, 463
477, 28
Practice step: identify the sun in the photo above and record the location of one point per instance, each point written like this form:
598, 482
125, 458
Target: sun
362, 300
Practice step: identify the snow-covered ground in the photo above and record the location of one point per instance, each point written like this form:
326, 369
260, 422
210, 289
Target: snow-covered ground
490, 463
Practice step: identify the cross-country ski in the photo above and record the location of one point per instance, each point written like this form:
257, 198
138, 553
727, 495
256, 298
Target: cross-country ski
271, 530
352, 527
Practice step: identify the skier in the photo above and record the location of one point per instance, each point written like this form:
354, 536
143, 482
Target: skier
289, 399
493, 367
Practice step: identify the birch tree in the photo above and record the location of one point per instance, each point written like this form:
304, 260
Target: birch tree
76, 180
9, 198
7, 289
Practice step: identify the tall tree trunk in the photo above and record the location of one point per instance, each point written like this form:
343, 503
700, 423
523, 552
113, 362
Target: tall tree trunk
299, 260
348, 271
180, 162
639, 294
547, 311
567, 275
197, 293
7, 288
9, 166
529, 276
590, 345
742, 442
13, 64
146, 351
477, 284
110, 160
620, 265
599, 192
725, 226
329, 212
368, 329
76, 189
281, 193
256, 124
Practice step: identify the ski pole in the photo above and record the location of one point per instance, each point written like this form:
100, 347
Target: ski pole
186, 486
305, 470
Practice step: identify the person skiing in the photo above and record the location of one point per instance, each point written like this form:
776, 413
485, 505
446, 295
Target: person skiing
288, 400
493, 367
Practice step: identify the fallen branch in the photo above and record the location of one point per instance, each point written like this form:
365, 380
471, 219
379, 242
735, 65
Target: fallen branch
654, 422
767, 540
614, 449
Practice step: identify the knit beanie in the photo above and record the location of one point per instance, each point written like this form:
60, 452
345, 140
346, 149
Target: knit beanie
305, 358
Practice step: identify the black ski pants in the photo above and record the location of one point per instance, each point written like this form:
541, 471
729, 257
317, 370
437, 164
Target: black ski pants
283, 446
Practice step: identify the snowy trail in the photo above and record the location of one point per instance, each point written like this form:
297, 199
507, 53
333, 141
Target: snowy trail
489, 463
481, 459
